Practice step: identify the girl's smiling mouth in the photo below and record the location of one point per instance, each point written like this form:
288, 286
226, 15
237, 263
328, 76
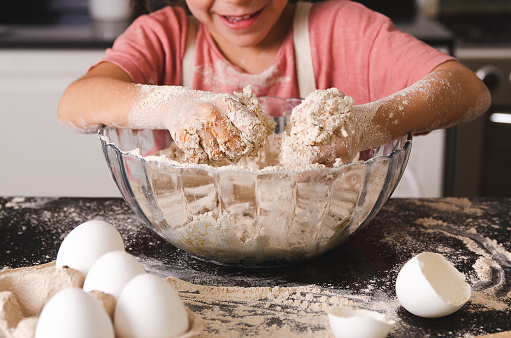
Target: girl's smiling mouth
237, 18
241, 21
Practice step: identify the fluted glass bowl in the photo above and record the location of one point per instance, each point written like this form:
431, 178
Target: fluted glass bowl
239, 216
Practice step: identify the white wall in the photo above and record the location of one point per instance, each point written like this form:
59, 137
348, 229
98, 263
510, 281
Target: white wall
39, 156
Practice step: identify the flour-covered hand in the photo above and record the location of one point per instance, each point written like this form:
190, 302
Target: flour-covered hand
322, 129
209, 126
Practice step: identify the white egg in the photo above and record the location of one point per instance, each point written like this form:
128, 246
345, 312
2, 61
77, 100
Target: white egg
429, 286
73, 313
111, 272
348, 323
86, 243
149, 307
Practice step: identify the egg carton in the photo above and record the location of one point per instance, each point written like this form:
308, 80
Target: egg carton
25, 291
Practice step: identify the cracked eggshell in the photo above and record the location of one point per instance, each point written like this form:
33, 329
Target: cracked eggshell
111, 272
86, 243
429, 286
72, 312
347, 323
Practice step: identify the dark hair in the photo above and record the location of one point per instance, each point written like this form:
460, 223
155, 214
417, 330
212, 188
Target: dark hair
141, 7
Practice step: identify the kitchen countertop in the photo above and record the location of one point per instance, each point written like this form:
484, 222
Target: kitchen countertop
475, 235
93, 35
87, 34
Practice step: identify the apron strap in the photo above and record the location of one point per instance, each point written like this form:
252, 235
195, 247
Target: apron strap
189, 57
302, 48
301, 43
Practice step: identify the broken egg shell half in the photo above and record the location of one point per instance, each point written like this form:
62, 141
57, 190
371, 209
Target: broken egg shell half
429, 286
345, 322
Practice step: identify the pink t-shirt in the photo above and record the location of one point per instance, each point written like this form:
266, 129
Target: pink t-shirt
354, 49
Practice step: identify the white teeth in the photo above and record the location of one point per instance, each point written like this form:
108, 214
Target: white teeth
238, 18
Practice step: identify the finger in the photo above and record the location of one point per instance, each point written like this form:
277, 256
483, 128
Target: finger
221, 129
188, 141
228, 139
326, 154
210, 145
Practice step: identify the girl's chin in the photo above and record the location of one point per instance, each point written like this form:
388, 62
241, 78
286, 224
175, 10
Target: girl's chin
243, 39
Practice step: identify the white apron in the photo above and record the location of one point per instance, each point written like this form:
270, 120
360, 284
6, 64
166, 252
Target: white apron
301, 44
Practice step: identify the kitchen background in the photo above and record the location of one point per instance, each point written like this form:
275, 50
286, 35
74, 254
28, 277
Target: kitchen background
47, 44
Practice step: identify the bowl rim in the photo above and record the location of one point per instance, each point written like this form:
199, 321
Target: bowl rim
105, 141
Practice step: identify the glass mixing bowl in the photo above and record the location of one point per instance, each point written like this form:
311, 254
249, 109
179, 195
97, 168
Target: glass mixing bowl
240, 216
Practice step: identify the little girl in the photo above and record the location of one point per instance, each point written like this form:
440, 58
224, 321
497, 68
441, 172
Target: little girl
176, 72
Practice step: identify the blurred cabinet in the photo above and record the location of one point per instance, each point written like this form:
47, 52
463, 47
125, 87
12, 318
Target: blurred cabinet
41, 157
424, 174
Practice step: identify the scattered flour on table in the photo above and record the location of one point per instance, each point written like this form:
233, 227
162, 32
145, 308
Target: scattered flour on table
489, 260
488, 277
285, 311
299, 311
453, 204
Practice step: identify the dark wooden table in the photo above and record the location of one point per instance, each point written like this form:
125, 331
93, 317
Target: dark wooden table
467, 232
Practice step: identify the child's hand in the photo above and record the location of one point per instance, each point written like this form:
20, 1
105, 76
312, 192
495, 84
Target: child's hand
323, 129
207, 126
208, 134
342, 147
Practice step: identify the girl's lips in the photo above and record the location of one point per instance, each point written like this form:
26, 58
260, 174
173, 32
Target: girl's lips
240, 22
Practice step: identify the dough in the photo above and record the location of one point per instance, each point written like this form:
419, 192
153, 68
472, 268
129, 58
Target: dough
314, 126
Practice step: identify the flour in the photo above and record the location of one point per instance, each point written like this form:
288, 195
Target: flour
295, 311
266, 159
453, 204
299, 311
488, 282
